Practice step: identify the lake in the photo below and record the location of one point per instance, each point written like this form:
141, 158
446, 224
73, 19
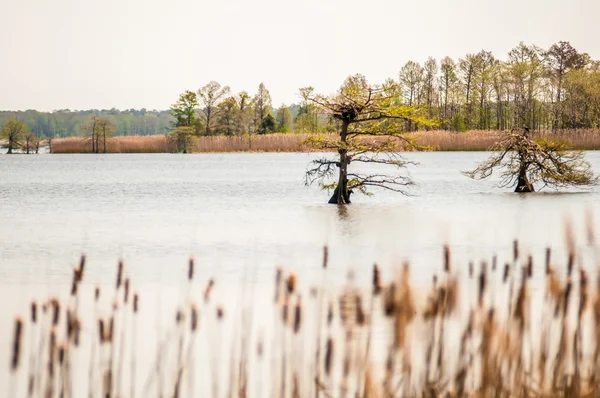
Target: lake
242, 215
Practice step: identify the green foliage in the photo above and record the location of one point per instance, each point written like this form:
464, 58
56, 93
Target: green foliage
521, 158
268, 124
284, 119
184, 110
458, 123
14, 133
182, 139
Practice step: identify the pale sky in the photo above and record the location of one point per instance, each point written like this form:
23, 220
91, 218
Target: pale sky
82, 54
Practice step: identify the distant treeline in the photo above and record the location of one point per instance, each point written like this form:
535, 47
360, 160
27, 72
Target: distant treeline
68, 123
541, 89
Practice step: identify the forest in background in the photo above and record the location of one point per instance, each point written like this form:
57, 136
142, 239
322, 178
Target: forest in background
542, 89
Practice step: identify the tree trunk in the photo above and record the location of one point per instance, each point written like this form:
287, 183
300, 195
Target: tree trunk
523, 184
341, 195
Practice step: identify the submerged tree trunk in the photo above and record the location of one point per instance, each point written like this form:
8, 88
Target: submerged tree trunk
523, 184
341, 194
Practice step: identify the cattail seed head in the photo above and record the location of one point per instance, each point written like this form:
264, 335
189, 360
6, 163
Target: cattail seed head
75, 282
278, 277
52, 351
179, 317
530, 266
328, 356
208, 289
298, 315
55, 311
111, 330
16, 352
506, 272
515, 250
285, 309
33, 312
494, 262
446, 258
69, 322
135, 303
126, 291
61, 354
471, 269
376, 280
191, 269
194, 317
482, 283
81, 268
548, 254
330, 315
119, 274
220, 313
570, 263
567, 296
360, 314
101, 332
325, 256
291, 283
97, 293
389, 300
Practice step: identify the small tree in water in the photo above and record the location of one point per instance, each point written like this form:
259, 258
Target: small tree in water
526, 162
371, 121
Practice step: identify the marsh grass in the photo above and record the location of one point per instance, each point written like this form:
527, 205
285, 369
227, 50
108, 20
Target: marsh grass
472, 335
438, 140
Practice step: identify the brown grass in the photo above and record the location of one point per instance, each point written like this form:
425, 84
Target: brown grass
438, 140
484, 346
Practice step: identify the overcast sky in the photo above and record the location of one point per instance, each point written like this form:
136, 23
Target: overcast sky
82, 54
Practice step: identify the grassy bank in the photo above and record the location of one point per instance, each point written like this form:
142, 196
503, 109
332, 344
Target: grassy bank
476, 140
474, 332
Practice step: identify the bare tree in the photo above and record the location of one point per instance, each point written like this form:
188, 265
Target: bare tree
210, 96
363, 111
526, 162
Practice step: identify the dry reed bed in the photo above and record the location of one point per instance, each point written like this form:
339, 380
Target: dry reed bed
473, 336
477, 140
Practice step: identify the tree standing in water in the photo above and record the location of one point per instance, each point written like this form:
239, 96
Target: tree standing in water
371, 121
526, 161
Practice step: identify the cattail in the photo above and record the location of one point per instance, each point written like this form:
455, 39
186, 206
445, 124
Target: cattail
515, 250
135, 303
81, 268
567, 296
298, 316
52, 351
325, 256
33, 312
61, 354
583, 298
208, 289
470, 269
330, 315
291, 283
101, 332
548, 253
179, 317
119, 274
69, 322
570, 263
482, 283
194, 317
220, 313
494, 262
360, 314
328, 356
74, 282
126, 291
191, 269
376, 280
506, 272
55, 311
389, 300
76, 330
446, 258
97, 293
278, 276
16, 353
111, 330
284, 310
529, 266
115, 304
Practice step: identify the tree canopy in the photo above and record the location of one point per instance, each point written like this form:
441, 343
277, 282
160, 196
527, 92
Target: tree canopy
371, 122
525, 162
